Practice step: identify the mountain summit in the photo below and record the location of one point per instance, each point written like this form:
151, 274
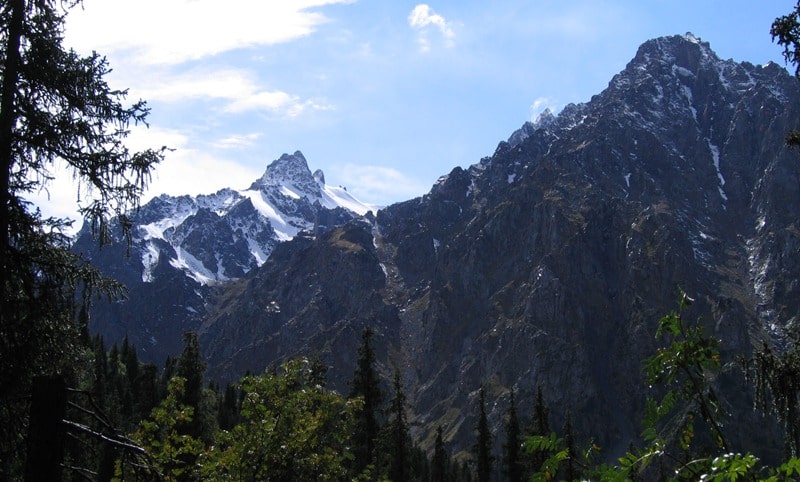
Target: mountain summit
546, 264
198, 242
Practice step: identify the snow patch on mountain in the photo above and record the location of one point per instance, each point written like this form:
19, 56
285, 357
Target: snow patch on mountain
284, 201
193, 267
715, 157
333, 197
150, 259
283, 227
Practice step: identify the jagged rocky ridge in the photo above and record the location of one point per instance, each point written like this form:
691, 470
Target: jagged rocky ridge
185, 246
550, 262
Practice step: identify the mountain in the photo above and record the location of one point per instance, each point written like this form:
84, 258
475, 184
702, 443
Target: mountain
548, 263
185, 246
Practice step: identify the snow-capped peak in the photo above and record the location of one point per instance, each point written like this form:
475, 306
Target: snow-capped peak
692, 38
319, 176
289, 170
187, 232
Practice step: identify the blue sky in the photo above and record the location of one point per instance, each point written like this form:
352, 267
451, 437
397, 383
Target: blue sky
383, 96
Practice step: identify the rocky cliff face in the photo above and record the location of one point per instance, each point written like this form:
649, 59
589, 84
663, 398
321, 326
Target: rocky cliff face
185, 246
550, 262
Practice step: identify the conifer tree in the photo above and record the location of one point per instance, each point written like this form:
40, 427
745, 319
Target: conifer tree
170, 365
571, 469
513, 462
540, 426
229, 407
100, 370
56, 109
192, 368
439, 464
366, 385
398, 441
146, 389
483, 449
541, 413
130, 360
464, 472
785, 31
777, 380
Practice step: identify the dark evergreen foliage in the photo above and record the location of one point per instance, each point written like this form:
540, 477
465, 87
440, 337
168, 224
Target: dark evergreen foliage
191, 368
229, 407
440, 463
777, 380
397, 442
786, 32
539, 426
483, 448
513, 444
55, 107
366, 385
571, 468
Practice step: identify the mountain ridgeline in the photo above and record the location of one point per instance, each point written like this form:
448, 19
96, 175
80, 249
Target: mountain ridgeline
547, 264
183, 247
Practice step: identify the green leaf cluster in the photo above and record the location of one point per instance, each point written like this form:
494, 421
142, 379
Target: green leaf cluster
291, 428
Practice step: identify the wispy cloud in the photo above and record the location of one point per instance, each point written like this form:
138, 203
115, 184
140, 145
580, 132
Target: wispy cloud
422, 18
193, 171
540, 105
237, 141
237, 88
379, 184
175, 31
63, 196
189, 170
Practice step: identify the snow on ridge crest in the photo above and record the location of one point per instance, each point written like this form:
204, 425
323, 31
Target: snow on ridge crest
275, 208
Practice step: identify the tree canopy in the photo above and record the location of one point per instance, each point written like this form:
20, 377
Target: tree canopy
56, 109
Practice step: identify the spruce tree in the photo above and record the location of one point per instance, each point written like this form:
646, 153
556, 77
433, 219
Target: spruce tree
366, 385
56, 109
439, 464
170, 365
541, 414
191, 368
540, 426
571, 469
146, 390
513, 462
229, 407
785, 31
483, 448
398, 441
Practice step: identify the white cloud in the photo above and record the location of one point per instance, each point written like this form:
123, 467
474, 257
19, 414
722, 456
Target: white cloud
141, 138
421, 18
59, 198
187, 170
378, 184
184, 171
174, 31
237, 141
236, 87
540, 105
62, 196
191, 171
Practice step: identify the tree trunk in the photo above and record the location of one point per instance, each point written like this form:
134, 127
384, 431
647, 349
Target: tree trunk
8, 118
45, 430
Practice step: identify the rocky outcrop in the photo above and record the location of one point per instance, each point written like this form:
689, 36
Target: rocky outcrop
184, 246
550, 262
